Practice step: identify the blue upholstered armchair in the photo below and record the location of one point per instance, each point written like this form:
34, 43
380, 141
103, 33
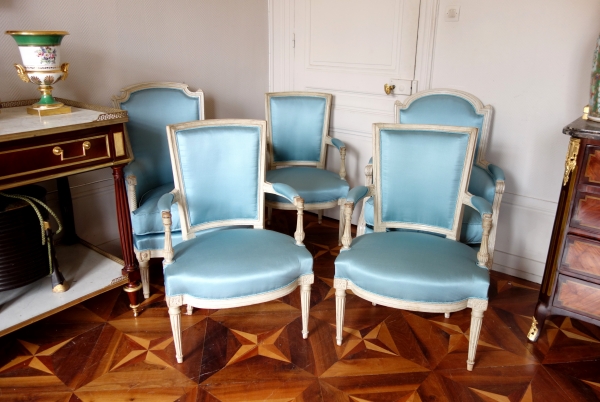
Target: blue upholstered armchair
297, 135
219, 171
454, 108
151, 107
420, 179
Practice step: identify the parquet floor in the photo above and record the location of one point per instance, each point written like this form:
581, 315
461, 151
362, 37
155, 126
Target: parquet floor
97, 351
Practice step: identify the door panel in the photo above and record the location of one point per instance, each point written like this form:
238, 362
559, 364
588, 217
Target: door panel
351, 48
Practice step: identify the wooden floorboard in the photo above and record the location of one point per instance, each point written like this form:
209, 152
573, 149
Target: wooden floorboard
98, 351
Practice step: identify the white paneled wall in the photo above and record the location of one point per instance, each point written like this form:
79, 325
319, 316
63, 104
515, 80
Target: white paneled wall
220, 46
532, 62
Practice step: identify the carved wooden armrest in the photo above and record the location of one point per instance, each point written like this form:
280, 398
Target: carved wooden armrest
342, 148
291, 195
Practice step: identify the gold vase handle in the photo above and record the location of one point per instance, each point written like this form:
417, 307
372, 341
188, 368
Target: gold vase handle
22, 73
388, 88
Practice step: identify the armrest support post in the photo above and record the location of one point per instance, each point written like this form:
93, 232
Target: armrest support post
483, 254
369, 174
299, 234
131, 198
343, 163
347, 237
168, 253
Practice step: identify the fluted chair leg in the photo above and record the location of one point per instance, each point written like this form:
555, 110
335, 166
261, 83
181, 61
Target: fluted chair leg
476, 320
144, 263
175, 314
447, 315
190, 309
305, 304
340, 308
320, 216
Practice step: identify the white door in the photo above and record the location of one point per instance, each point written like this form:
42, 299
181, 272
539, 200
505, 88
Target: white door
351, 49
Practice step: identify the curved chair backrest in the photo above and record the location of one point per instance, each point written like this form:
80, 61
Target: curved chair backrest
421, 174
297, 125
448, 107
151, 107
219, 171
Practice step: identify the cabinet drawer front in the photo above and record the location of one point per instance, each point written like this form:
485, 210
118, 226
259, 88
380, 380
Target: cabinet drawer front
578, 296
592, 166
586, 212
24, 161
582, 256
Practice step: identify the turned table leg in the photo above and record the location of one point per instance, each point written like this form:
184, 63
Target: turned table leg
130, 268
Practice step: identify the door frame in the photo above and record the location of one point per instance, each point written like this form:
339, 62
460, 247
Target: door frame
282, 41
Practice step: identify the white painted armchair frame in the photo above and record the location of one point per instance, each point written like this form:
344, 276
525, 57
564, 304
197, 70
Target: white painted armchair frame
478, 306
188, 232
486, 111
144, 256
320, 164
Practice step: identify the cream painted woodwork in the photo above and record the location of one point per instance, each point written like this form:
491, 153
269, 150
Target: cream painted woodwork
351, 49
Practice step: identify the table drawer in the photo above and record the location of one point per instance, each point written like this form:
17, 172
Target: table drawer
54, 155
582, 256
578, 296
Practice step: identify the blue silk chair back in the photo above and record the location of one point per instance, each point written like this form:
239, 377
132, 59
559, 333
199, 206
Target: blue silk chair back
421, 175
232, 193
451, 109
150, 110
298, 125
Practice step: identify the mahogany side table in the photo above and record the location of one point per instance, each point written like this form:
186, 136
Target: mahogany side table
37, 148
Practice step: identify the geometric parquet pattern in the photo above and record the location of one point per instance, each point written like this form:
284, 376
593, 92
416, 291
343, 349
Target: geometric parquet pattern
97, 350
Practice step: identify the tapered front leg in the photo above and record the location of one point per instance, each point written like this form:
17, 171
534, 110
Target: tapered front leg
305, 304
340, 307
476, 321
174, 304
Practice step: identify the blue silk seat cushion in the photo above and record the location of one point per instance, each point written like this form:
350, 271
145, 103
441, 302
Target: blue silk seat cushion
147, 218
414, 267
235, 263
312, 184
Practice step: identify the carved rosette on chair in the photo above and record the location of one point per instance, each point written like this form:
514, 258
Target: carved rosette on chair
40, 54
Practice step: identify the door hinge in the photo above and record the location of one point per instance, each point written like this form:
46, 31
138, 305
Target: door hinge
293, 40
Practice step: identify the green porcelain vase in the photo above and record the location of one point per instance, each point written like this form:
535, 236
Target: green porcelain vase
40, 54
594, 112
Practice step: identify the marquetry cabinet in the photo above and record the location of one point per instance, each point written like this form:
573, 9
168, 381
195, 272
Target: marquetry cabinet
571, 283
